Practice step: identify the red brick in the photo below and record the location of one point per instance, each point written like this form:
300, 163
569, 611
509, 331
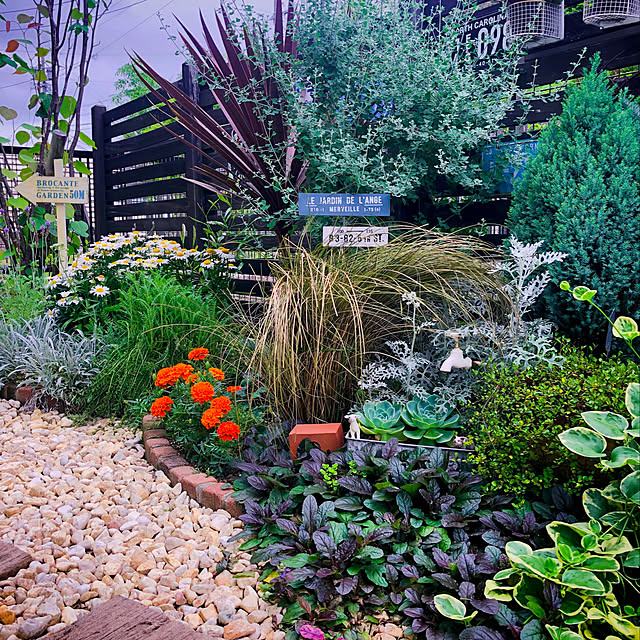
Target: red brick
213, 496
149, 422
154, 433
176, 474
171, 462
231, 506
23, 394
191, 482
157, 453
329, 436
155, 442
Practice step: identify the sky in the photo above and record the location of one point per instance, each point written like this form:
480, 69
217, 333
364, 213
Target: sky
129, 25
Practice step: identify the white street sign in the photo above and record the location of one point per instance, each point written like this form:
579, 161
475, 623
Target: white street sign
55, 189
355, 236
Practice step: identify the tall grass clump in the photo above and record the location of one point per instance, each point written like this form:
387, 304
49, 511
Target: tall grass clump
155, 323
331, 308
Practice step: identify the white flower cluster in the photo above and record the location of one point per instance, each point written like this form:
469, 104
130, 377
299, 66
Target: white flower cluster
114, 255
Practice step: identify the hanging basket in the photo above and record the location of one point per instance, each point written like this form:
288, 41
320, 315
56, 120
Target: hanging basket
537, 22
610, 13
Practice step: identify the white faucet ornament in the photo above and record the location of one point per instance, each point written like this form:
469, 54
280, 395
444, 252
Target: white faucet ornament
456, 359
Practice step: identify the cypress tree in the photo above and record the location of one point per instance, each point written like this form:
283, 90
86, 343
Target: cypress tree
581, 195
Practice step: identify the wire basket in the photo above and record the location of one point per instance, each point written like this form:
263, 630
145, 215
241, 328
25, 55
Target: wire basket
537, 22
610, 13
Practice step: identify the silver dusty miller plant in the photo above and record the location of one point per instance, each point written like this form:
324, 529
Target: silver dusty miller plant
37, 352
414, 369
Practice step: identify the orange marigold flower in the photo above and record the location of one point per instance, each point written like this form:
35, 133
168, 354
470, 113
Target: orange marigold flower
166, 377
218, 374
202, 392
183, 370
210, 418
228, 431
222, 404
234, 389
161, 406
198, 354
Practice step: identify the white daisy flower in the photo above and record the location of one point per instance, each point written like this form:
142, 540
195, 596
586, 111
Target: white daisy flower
100, 290
100, 278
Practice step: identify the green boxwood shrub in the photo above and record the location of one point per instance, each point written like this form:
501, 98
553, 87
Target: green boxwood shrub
520, 413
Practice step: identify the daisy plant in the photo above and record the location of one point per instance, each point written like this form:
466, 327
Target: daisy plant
92, 281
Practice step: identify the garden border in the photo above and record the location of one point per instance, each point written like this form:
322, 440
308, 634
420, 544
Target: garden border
204, 489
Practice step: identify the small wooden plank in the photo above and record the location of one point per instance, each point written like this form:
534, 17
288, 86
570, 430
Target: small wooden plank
124, 619
12, 560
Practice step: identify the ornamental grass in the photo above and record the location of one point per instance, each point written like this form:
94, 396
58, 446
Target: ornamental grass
331, 309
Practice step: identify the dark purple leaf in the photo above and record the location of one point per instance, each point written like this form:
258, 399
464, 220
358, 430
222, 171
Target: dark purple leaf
466, 566
345, 550
486, 605
446, 502
390, 448
467, 590
318, 455
445, 580
327, 615
375, 600
251, 467
391, 572
418, 625
404, 502
324, 572
309, 512
412, 596
552, 595
312, 467
529, 524
506, 520
413, 612
453, 520
396, 598
381, 533
441, 558
494, 538
346, 585
324, 543
287, 526
410, 572
395, 558
302, 573
356, 485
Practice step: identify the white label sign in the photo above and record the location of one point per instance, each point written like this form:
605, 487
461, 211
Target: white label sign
355, 236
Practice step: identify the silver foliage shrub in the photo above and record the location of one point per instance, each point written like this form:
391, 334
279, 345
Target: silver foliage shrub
41, 354
515, 339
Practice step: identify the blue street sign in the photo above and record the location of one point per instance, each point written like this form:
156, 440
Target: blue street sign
344, 204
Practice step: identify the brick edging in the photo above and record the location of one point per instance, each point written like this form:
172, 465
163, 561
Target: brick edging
162, 455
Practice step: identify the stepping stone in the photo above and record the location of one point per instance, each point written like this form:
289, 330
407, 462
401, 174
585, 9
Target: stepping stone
124, 619
12, 560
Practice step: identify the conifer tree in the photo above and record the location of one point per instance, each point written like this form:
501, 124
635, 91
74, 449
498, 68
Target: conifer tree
581, 195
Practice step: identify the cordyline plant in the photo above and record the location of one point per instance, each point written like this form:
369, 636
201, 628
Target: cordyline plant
254, 150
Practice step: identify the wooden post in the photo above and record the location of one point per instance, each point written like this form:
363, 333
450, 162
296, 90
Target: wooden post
195, 194
61, 221
54, 166
99, 185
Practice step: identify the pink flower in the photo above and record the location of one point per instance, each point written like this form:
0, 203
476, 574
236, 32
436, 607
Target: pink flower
311, 633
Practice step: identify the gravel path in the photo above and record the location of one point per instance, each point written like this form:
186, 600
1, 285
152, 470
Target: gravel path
101, 522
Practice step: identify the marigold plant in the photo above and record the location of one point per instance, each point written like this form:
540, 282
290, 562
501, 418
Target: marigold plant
196, 407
